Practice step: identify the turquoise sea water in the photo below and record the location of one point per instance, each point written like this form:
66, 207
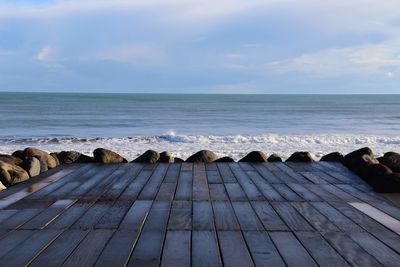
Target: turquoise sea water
194, 121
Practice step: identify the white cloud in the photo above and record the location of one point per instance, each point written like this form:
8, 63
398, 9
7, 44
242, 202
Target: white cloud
45, 54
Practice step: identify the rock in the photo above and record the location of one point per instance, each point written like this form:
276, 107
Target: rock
150, 156
274, 158
178, 160
355, 161
12, 174
103, 155
301, 157
18, 154
254, 156
68, 157
2, 186
205, 156
55, 156
392, 160
225, 159
10, 159
166, 157
333, 157
381, 178
31, 166
46, 161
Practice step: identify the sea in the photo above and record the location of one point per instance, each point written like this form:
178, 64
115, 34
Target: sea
229, 125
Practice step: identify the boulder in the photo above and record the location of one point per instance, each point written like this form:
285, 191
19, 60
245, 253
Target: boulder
12, 174
355, 160
381, 178
150, 156
2, 186
301, 156
205, 156
333, 157
31, 166
254, 156
103, 155
390, 159
55, 156
225, 159
10, 159
274, 158
178, 160
166, 157
46, 161
68, 157
18, 154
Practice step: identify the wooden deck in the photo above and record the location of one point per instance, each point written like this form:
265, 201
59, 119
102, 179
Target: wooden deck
225, 214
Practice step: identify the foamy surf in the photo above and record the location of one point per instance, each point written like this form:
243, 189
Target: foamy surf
235, 146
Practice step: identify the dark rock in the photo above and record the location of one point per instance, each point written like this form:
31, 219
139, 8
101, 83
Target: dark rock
178, 160
301, 157
10, 159
166, 157
103, 155
274, 158
19, 154
46, 161
333, 157
225, 159
392, 160
68, 157
31, 166
12, 174
254, 156
355, 160
150, 156
205, 156
381, 178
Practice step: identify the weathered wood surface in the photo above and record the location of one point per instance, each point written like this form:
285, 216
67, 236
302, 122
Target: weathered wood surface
219, 214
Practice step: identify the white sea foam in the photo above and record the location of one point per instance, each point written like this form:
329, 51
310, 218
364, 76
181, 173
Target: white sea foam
235, 146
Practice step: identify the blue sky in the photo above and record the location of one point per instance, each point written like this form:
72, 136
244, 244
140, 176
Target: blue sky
191, 46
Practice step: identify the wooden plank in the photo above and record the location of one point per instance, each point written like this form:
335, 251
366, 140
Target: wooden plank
320, 249
211, 166
388, 221
286, 192
291, 250
13, 239
235, 192
268, 176
224, 216
184, 190
70, 216
92, 216
268, 216
5, 214
58, 251
203, 218
133, 190
22, 254
213, 177
218, 192
319, 177
148, 249
262, 249
177, 249
387, 208
349, 250
323, 194
226, 173
19, 218
118, 249
249, 188
137, 214
294, 175
338, 192
303, 192
382, 253
269, 192
187, 166
151, 188
181, 215
89, 249
205, 250
173, 173
200, 184
157, 218
247, 218
316, 219
356, 192
233, 249
166, 192
292, 218
114, 215
341, 221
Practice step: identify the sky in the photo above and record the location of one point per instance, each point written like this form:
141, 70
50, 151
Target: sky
208, 46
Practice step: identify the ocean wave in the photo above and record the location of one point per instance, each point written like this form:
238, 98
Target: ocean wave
234, 146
